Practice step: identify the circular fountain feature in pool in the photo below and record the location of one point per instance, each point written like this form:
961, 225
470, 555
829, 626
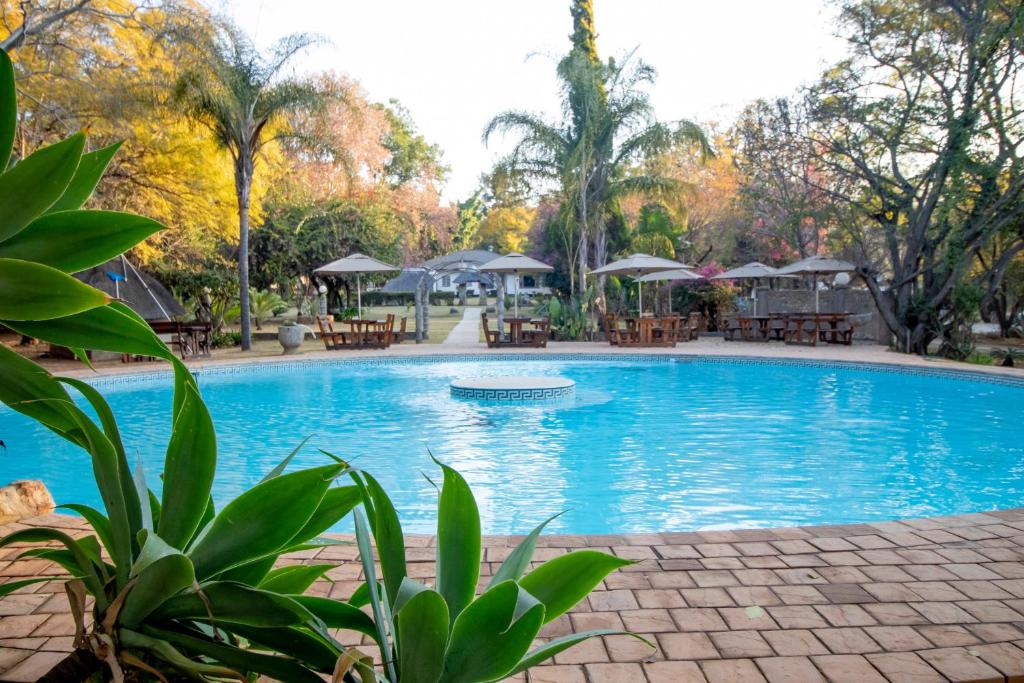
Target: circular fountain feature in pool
516, 388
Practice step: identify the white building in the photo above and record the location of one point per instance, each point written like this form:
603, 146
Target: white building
462, 267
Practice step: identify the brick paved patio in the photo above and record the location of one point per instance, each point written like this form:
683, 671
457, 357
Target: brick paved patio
917, 600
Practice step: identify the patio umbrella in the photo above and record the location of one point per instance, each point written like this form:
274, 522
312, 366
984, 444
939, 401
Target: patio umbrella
515, 263
677, 274
817, 265
356, 264
750, 271
636, 265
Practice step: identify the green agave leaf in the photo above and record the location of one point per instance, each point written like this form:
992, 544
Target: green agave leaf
518, 561
458, 542
90, 170
380, 619
337, 502
336, 614
487, 641
309, 648
168, 653
280, 467
294, 579
99, 523
279, 668
30, 291
8, 110
564, 581
92, 579
390, 540
423, 633
72, 241
104, 328
553, 647
64, 558
361, 595
261, 520
113, 434
11, 586
32, 391
153, 548
251, 573
36, 183
224, 601
406, 592
188, 471
158, 582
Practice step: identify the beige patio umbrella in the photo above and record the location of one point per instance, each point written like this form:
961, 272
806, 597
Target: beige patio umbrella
817, 265
677, 274
356, 264
515, 263
636, 265
750, 271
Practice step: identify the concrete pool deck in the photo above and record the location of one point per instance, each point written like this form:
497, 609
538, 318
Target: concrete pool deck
938, 599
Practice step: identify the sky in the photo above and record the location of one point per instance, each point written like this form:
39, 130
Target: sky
454, 64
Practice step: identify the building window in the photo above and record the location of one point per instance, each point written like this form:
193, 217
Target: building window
446, 281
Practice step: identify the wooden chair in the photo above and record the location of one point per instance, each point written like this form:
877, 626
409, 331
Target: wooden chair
493, 338
538, 336
332, 340
378, 335
398, 336
802, 330
777, 328
691, 330
611, 328
731, 327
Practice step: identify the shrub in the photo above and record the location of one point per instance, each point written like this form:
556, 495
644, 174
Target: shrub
442, 298
379, 298
226, 340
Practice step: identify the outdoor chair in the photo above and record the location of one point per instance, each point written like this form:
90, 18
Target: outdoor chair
538, 336
493, 338
691, 330
332, 340
611, 328
730, 328
802, 330
398, 336
777, 328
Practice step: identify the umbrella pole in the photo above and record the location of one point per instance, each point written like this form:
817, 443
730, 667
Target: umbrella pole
816, 305
359, 295
515, 276
640, 297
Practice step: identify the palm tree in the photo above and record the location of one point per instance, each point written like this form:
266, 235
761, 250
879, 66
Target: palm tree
239, 94
591, 156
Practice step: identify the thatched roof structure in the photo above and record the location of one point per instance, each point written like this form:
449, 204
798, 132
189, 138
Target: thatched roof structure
139, 291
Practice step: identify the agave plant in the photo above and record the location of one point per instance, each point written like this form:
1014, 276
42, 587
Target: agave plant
448, 632
178, 587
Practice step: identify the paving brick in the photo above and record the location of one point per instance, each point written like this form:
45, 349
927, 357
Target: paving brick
905, 667
743, 619
648, 620
797, 616
799, 595
732, 671
746, 596
895, 614
957, 664
948, 636
897, 638
614, 673
707, 597
604, 601
686, 646
629, 649
847, 669
846, 641
557, 673
789, 670
588, 652
794, 642
1006, 658
698, 619
734, 644
659, 597
33, 667
674, 672
943, 613
990, 611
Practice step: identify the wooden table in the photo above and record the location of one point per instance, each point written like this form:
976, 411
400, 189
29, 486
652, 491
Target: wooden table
363, 331
641, 332
823, 327
515, 329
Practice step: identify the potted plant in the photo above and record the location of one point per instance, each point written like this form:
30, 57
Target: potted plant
291, 335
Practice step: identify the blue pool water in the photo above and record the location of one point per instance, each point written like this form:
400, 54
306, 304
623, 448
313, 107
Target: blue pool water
646, 445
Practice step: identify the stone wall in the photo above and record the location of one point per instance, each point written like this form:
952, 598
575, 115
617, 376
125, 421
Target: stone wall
23, 499
868, 322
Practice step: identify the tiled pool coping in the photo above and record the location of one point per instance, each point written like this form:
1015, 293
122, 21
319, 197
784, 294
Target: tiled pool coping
914, 600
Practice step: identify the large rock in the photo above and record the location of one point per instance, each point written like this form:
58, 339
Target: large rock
24, 498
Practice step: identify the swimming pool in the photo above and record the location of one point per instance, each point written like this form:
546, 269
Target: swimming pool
647, 444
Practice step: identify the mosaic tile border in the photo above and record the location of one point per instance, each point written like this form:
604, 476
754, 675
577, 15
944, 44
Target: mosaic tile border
264, 367
516, 395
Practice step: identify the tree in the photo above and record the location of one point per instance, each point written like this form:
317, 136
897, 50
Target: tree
591, 156
921, 133
781, 190
240, 94
505, 229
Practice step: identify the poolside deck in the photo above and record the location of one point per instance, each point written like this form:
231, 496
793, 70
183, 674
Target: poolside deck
918, 600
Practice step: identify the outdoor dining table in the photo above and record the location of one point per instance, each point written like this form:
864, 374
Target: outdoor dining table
515, 327
362, 329
754, 326
651, 331
825, 327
